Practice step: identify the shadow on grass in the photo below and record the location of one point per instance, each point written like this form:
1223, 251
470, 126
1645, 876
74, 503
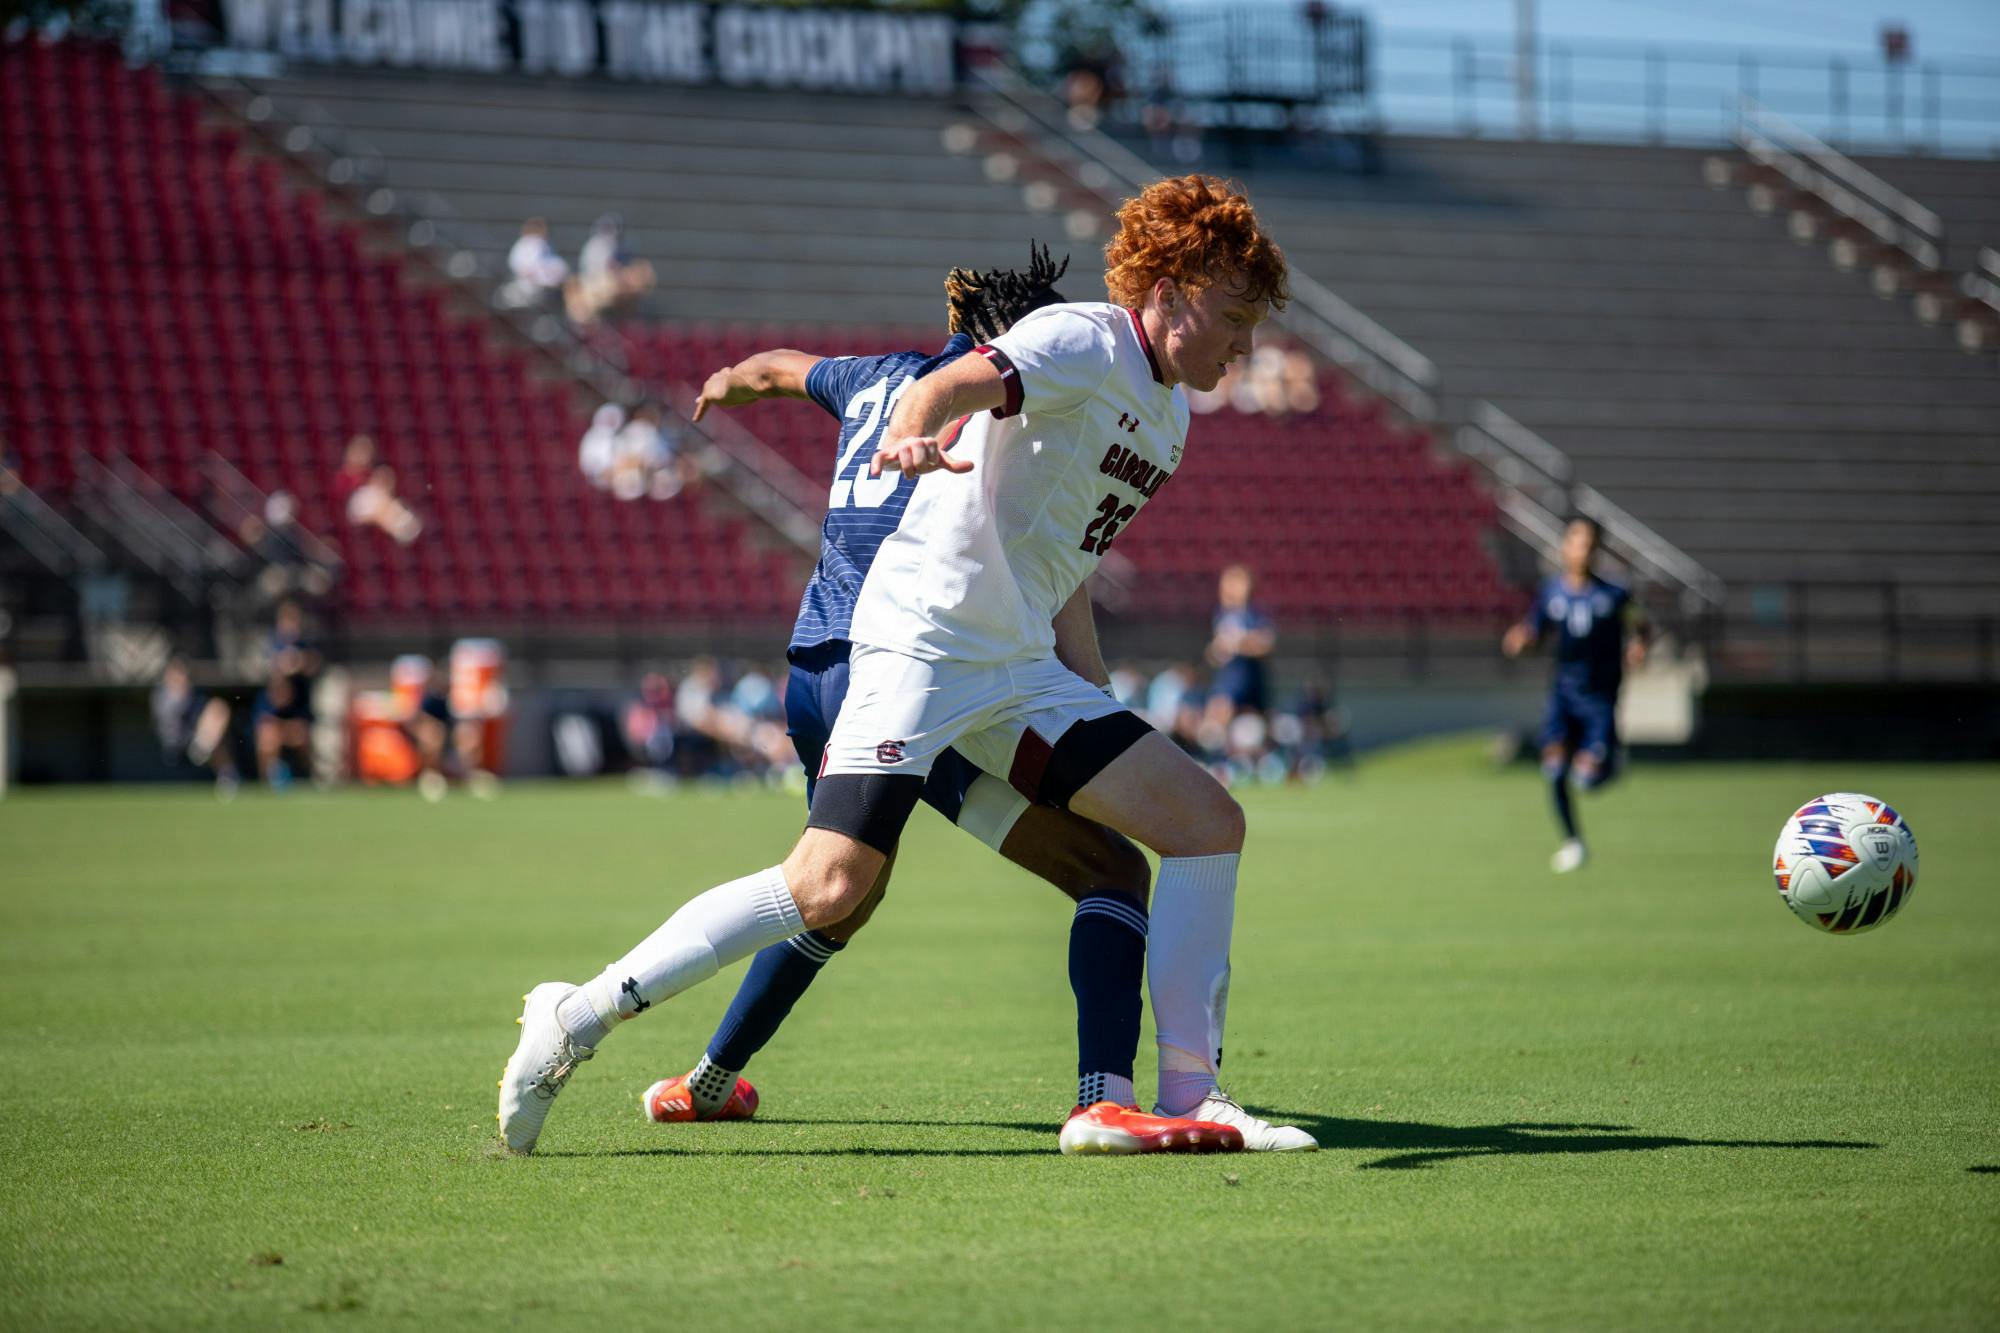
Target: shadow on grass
809, 1152
1413, 1145
1983, 1170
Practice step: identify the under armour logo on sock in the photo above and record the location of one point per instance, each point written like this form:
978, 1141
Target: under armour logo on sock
631, 988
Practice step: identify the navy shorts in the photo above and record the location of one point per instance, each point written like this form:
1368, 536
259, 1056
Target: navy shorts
813, 695
1583, 722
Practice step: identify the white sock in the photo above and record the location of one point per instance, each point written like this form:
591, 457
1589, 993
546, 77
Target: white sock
1094, 1088
1187, 972
708, 933
710, 1085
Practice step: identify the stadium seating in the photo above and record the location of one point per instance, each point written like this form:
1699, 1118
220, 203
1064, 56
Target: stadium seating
1343, 514
167, 295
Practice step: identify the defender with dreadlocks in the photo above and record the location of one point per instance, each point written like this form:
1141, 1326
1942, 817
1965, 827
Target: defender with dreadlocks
1104, 873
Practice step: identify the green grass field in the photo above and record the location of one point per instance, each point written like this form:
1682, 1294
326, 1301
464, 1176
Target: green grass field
250, 1054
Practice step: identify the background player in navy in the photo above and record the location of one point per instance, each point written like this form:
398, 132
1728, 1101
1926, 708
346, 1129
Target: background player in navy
1592, 619
1105, 873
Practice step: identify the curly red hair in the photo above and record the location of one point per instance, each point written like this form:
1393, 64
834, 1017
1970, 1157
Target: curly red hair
1197, 230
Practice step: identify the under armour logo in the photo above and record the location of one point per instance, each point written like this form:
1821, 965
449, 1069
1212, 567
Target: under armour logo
631, 988
1130, 422
889, 752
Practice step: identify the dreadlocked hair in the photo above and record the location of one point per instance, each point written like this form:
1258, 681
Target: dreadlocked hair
985, 305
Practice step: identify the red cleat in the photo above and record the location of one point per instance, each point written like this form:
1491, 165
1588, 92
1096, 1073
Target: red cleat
1111, 1129
669, 1103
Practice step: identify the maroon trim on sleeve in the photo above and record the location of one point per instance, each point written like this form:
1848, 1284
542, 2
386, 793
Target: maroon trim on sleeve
1146, 345
1008, 376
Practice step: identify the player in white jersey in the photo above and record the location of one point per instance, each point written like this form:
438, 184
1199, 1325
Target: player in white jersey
954, 647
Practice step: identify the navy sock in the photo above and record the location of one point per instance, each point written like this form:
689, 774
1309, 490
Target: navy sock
1559, 789
1107, 962
778, 976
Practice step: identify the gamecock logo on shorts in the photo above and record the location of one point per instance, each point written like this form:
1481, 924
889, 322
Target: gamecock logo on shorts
889, 752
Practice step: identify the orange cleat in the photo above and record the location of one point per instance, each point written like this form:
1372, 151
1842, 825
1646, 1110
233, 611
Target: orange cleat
668, 1102
1110, 1129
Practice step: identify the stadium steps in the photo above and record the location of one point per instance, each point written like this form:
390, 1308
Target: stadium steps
1697, 366
752, 206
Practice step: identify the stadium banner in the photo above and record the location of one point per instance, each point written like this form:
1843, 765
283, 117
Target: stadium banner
743, 46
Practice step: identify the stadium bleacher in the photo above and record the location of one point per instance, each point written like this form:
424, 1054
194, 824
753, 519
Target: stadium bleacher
167, 295
1343, 512
1765, 413
268, 332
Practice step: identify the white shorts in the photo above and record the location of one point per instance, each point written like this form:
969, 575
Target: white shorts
1005, 717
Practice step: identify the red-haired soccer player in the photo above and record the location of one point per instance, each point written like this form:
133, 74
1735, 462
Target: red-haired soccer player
954, 647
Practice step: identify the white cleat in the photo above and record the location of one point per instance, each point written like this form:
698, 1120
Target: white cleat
1258, 1135
541, 1064
1570, 856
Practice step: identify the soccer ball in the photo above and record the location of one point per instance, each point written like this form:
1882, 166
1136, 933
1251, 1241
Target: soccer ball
1845, 863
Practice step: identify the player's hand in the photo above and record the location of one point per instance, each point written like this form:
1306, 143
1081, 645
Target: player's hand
1635, 654
723, 389
1516, 640
914, 455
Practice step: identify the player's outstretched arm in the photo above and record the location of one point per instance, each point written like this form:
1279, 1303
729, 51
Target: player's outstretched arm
911, 445
778, 373
1518, 639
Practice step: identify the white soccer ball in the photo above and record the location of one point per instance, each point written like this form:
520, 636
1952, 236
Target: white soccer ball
1845, 863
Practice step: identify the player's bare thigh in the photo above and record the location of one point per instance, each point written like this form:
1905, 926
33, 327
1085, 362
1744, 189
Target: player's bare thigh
1158, 796
1076, 855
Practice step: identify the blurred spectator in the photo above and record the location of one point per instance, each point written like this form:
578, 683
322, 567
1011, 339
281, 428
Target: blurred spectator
646, 459
448, 748
1173, 704
606, 274
598, 449
536, 268
1274, 380
1128, 686
357, 464
284, 708
375, 504
759, 706
701, 729
279, 545
649, 726
1244, 636
1091, 85
193, 728
634, 457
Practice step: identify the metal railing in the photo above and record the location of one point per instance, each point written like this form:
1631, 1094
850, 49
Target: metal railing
1540, 494
756, 478
166, 537
46, 535
1886, 213
1385, 363
1981, 283
233, 499
1471, 84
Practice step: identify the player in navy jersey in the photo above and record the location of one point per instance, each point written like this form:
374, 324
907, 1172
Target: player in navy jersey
1103, 872
1599, 629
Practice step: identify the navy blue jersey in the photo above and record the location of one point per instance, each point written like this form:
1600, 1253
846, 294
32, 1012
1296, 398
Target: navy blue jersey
1590, 631
860, 391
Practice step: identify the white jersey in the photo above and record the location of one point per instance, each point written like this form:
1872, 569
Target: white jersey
982, 562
